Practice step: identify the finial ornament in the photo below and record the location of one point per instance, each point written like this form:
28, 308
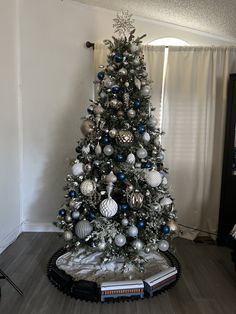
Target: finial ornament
123, 23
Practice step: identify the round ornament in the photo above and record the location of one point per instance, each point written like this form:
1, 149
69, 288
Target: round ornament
136, 61
153, 178
72, 194
121, 176
118, 58
152, 122
137, 104
98, 110
114, 103
136, 200
124, 222
165, 229
141, 129
77, 169
141, 224
120, 240
88, 187
137, 244
90, 216
68, 218
108, 150
101, 245
124, 138
164, 181
120, 157
132, 231
145, 91
108, 207
163, 245
141, 153
123, 71
115, 89
101, 75
87, 127
68, 235
83, 228
131, 113
75, 215
113, 133
130, 159
146, 137
166, 201
105, 139
62, 212
123, 207
108, 83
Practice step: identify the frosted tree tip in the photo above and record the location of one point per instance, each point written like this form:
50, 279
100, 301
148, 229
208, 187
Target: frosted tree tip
123, 23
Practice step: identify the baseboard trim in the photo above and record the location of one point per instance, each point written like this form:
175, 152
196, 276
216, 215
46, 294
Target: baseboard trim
39, 227
10, 238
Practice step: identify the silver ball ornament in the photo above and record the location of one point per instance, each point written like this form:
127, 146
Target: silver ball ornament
113, 133
68, 235
135, 200
75, 214
131, 113
123, 71
145, 90
163, 245
120, 240
87, 127
108, 83
147, 250
152, 122
88, 187
136, 61
153, 178
130, 159
68, 218
114, 103
108, 207
124, 222
108, 150
132, 231
77, 169
137, 244
146, 137
126, 84
83, 228
141, 153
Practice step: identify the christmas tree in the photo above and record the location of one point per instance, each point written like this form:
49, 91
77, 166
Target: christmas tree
117, 199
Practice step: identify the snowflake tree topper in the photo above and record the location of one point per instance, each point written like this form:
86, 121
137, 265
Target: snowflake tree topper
123, 23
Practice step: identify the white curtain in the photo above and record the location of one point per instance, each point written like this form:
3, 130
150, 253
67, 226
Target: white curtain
193, 117
154, 58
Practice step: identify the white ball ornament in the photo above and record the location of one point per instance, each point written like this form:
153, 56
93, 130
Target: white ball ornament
164, 181
132, 231
108, 150
130, 159
153, 178
120, 240
123, 71
88, 187
83, 228
77, 169
166, 201
163, 245
141, 153
68, 235
102, 245
131, 113
146, 137
137, 244
108, 207
124, 222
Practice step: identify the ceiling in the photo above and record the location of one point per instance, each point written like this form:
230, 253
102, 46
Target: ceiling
217, 17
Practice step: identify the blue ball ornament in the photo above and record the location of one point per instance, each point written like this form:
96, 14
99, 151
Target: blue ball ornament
62, 212
118, 57
123, 207
101, 75
120, 176
90, 216
147, 165
120, 157
105, 140
165, 229
141, 129
141, 224
115, 89
137, 104
90, 109
72, 194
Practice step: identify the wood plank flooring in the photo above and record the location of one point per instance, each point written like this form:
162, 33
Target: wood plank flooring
207, 285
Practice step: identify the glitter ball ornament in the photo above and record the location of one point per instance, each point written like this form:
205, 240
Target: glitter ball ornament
68, 235
166, 201
108, 207
120, 240
130, 159
136, 200
124, 222
83, 228
108, 150
87, 187
124, 138
87, 127
141, 153
77, 169
131, 113
163, 245
137, 244
132, 231
153, 178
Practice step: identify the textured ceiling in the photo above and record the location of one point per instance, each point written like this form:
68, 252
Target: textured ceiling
217, 17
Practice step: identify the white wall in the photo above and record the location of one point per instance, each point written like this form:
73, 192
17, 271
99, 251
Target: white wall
9, 165
56, 83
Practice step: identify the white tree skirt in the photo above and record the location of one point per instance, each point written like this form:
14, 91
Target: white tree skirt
90, 266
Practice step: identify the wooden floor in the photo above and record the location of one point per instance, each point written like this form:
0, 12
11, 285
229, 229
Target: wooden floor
207, 285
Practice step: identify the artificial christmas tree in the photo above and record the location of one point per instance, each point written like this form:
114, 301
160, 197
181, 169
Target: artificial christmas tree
118, 212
